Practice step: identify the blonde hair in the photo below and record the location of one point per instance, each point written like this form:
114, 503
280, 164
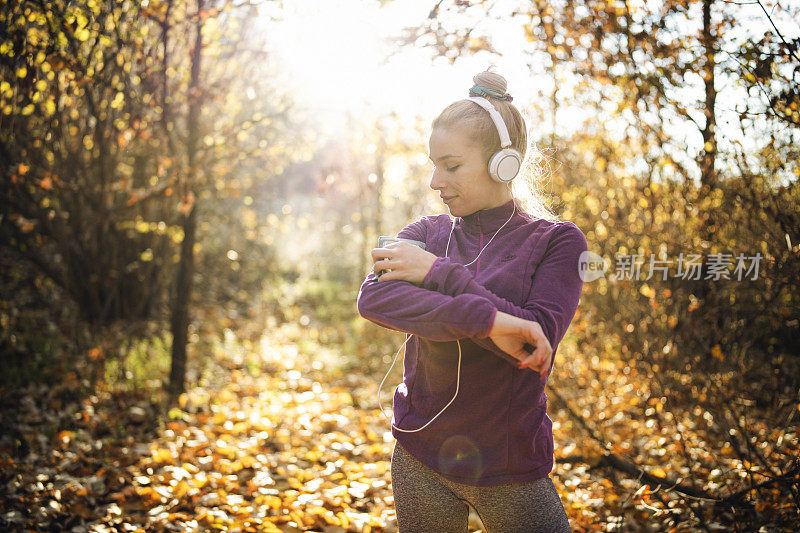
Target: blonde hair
536, 168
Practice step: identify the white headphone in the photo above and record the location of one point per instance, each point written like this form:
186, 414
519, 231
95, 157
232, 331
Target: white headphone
505, 164
503, 167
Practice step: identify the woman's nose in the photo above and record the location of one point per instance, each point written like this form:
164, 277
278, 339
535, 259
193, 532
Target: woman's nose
436, 179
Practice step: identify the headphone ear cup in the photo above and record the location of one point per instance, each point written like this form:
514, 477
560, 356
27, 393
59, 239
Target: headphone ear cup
505, 165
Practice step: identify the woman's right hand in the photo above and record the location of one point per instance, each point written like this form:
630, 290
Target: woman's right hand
511, 333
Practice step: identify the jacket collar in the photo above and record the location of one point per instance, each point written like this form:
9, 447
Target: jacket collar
489, 220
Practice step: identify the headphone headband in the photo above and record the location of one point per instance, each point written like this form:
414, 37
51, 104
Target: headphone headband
505, 140
505, 164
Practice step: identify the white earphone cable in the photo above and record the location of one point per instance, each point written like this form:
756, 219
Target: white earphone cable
458, 380
493, 236
458, 370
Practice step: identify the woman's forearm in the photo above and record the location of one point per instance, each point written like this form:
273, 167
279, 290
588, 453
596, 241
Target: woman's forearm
505, 324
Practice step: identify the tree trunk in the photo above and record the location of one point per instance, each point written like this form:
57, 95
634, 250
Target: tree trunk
380, 171
183, 280
708, 158
364, 258
180, 312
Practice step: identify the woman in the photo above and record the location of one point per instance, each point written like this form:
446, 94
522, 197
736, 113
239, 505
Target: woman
488, 286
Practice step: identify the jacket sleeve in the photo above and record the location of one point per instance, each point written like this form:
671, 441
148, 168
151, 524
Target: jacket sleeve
404, 306
554, 294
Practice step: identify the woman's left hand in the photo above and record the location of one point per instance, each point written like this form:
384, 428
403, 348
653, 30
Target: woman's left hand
406, 262
511, 334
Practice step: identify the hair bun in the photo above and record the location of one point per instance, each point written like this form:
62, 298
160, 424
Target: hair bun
490, 84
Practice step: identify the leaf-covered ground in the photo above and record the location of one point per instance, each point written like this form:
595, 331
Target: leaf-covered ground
274, 439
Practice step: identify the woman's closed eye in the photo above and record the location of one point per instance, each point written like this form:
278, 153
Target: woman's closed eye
451, 169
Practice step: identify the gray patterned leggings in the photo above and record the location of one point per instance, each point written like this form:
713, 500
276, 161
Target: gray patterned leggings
427, 502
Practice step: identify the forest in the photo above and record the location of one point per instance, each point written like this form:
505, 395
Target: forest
182, 244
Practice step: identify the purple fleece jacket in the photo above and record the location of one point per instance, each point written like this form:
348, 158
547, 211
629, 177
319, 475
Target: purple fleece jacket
496, 431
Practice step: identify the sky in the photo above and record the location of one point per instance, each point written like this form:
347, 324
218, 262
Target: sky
333, 53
